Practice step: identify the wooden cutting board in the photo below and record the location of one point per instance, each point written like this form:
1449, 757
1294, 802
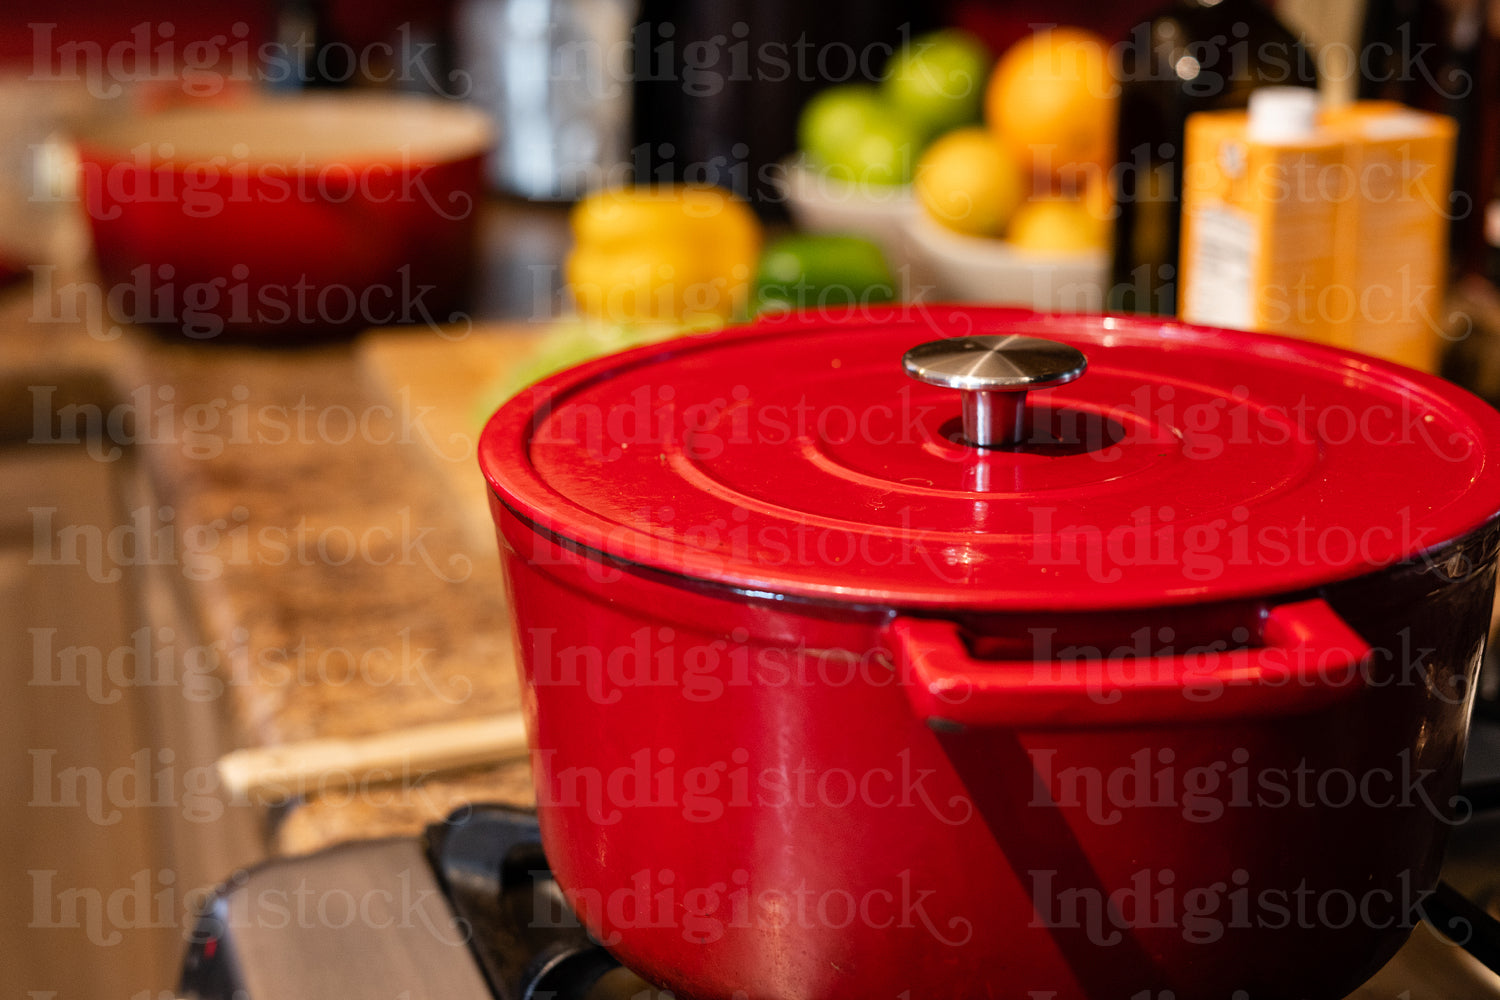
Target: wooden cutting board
442, 390
449, 386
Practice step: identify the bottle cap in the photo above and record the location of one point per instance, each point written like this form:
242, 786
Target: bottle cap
1283, 114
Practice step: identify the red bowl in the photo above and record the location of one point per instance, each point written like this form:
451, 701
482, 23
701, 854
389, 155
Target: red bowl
287, 216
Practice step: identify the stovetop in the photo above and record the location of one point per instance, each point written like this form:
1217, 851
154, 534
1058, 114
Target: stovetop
470, 911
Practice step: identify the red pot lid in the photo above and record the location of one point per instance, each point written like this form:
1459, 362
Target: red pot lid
800, 457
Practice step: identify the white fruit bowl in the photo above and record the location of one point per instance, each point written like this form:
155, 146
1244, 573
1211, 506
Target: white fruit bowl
820, 203
964, 268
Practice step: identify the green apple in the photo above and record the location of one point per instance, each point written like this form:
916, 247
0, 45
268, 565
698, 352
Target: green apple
884, 154
836, 117
938, 80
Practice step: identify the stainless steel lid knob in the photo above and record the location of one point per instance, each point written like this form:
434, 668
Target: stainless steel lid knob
994, 374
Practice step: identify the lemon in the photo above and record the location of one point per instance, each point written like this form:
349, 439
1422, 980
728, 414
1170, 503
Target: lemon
969, 182
1057, 225
676, 253
1052, 100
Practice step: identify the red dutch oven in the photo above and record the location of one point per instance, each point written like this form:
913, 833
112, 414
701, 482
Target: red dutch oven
853, 668
286, 216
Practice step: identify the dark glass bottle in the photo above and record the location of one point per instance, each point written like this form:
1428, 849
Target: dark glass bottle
719, 86
1196, 55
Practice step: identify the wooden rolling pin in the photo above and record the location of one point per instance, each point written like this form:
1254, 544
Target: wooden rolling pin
298, 770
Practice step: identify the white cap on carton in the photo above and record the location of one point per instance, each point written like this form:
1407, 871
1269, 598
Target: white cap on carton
1283, 114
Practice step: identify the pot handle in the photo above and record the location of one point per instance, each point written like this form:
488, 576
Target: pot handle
1310, 658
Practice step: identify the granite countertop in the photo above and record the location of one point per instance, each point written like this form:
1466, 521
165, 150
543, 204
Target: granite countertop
328, 525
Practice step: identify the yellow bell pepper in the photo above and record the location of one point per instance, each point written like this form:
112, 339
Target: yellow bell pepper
675, 253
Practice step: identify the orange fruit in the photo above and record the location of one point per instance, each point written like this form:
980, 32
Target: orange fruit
969, 182
1099, 199
1052, 101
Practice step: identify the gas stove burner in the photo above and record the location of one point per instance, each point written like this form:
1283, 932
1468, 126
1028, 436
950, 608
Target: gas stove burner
529, 944
470, 911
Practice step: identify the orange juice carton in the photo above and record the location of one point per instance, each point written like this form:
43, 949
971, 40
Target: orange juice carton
1326, 225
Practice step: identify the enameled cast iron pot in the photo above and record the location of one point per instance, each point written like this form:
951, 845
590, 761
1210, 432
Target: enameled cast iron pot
286, 216
1166, 688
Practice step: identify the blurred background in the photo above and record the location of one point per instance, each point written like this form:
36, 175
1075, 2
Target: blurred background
598, 94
